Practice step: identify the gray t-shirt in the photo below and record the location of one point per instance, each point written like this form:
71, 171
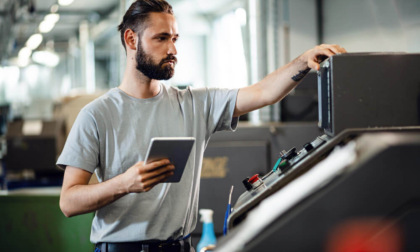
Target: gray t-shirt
113, 132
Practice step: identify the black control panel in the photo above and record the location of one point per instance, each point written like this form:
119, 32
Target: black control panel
258, 187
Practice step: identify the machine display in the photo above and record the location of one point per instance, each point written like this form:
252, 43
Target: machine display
370, 107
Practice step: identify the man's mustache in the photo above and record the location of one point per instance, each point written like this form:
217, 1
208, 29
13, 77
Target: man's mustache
170, 58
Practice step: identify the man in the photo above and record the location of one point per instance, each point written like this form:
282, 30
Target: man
135, 210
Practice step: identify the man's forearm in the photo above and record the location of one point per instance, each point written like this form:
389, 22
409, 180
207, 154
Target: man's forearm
271, 89
77, 197
301, 75
83, 198
278, 84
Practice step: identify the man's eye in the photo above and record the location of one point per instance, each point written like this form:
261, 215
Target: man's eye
161, 38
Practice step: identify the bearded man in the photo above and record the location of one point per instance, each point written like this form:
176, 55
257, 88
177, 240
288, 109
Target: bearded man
135, 209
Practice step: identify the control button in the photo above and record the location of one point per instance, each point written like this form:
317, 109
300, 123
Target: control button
290, 154
247, 185
308, 147
254, 179
284, 166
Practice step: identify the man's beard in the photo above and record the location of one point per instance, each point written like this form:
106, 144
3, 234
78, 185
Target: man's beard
154, 71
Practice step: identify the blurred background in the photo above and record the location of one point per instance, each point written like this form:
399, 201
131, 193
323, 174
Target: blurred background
53, 49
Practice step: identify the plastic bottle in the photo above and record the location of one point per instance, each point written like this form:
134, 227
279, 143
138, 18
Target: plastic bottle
208, 236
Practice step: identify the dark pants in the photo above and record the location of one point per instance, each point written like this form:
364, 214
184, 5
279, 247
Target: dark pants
146, 246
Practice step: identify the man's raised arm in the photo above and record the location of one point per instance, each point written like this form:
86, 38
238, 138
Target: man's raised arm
279, 83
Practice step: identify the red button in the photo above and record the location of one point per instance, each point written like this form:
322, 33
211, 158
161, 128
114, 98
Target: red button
253, 179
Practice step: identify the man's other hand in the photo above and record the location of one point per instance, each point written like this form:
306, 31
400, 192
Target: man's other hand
142, 177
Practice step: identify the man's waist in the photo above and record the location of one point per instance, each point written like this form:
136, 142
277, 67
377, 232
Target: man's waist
181, 245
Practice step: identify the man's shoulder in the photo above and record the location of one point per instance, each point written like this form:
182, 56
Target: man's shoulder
101, 103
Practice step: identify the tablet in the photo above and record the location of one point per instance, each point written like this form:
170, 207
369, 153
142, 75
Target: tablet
176, 149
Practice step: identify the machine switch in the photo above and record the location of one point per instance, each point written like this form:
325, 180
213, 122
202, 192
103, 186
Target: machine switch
254, 179
284, 166
256, 182
308, 147
247, 185
290, 154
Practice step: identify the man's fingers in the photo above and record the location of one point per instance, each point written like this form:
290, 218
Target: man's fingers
324, 51
318, 55
313, 64
321, 52
142, 177
157, 172
156, 180
334, 48
154, 165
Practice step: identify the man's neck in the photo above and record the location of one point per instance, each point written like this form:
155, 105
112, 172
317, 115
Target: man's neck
137, 85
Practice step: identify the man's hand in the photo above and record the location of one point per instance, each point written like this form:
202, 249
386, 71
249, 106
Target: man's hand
78, 197
317, 54
142, 177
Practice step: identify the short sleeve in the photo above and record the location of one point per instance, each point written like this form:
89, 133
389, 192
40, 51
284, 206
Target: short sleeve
82, 145
219, 107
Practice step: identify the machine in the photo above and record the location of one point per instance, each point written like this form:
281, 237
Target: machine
32, 150
363, 171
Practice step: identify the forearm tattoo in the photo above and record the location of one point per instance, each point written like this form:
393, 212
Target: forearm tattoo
301, 74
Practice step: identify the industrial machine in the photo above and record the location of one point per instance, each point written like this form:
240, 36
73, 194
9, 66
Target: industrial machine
32, 150
363, 171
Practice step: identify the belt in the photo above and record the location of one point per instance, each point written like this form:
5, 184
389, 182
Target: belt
145, 246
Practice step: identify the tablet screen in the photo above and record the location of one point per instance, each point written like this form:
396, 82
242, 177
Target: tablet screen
176, 149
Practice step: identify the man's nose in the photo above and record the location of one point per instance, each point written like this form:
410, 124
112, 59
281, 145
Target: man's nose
172, 48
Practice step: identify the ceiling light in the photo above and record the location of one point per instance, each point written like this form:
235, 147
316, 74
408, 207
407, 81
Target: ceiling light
34, 41
47, 58
23, 56
49, 21
23, 62
25, 52
46, 26
52, 17
65, 2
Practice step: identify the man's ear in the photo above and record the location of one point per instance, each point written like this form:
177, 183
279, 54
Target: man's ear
130, 38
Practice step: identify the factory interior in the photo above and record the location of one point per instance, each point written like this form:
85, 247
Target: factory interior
331, 167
